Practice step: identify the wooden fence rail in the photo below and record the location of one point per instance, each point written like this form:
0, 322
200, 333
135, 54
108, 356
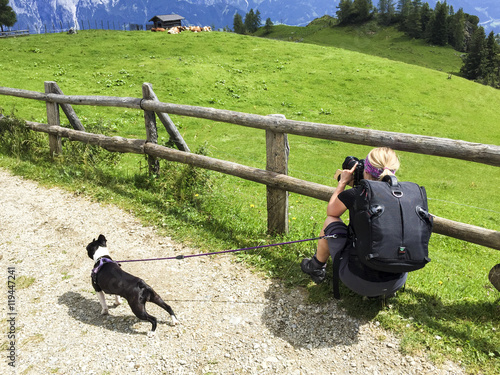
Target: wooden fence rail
13, 33
74, 26
445, 147
276, 125
465, 232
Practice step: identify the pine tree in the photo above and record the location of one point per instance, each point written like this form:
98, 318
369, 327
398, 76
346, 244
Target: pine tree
404, 9
238, 26
363, 10
386, 12
258, 20
268, 27
345, 11
7, 15
252, 21
491, 64
474, 61
413, 22
249, 21
456, 27
425, 17
352, 12
382, 6
439, 29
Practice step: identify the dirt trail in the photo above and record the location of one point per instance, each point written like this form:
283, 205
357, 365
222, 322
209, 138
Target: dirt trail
232, 320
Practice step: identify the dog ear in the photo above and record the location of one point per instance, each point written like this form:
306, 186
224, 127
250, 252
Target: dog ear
102, 239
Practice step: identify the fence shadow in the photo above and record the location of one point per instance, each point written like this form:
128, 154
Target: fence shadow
430, 311
288, 316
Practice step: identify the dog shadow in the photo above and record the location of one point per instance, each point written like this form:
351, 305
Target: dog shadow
88, 311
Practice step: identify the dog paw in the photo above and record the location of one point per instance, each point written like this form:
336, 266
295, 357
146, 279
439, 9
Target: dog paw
104, 312
118, 301
174, 320
151, 334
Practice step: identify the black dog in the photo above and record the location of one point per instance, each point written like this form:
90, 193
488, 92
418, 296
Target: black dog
108, 277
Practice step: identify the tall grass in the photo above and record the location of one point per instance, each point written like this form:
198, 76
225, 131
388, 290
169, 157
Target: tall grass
451, 298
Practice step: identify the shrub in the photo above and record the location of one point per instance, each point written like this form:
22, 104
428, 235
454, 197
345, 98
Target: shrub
18, 140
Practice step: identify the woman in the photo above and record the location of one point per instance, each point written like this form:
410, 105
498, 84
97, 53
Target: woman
357, 277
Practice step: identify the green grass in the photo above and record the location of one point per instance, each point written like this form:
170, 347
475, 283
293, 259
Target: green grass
23, 282
371, 39
451, 298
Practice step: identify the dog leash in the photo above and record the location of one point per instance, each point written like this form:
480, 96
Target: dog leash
179, 257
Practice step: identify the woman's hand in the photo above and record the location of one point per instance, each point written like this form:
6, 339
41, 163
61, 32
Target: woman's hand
347, 176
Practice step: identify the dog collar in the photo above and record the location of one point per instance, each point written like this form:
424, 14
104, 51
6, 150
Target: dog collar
100, 252
102, 262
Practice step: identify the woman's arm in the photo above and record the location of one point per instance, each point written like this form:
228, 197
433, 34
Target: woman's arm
335, 207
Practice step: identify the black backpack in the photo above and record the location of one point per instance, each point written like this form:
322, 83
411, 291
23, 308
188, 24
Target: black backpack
390, 228
391, 225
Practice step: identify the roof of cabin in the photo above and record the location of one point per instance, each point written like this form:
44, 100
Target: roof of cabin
167, 17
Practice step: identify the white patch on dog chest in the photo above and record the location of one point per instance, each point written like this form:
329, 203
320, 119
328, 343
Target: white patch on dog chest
100, 252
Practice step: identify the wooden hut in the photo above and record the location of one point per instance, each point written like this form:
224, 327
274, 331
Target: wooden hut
167, 21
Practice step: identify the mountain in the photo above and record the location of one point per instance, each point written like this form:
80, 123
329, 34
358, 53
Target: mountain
37, 14
218, 13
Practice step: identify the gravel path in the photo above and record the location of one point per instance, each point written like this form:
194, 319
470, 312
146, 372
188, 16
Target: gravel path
232, 320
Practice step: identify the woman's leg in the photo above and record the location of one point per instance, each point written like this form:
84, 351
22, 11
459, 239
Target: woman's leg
323, 251
315, 266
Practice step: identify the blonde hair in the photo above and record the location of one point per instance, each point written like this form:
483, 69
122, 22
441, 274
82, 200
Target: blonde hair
385, 159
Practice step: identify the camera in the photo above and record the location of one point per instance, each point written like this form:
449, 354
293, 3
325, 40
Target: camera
348, 163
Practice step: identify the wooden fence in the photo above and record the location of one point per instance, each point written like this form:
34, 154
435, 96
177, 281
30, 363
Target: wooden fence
276, 126
74, 25
11, 33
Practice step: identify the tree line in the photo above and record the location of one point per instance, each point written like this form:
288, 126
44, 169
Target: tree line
251, 23
439, 26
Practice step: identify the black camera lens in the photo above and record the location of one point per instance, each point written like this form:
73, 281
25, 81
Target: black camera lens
349, 163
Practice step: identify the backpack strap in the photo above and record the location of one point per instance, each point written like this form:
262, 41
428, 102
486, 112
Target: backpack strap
391, 180
336, 275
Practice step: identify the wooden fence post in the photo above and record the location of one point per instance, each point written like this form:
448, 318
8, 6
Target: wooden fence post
53, 118
151, 130
277, 152
68, 110
170, 127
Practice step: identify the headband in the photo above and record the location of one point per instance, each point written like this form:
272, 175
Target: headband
375, 172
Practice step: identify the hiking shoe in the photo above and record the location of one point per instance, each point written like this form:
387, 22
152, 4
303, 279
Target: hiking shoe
313, 268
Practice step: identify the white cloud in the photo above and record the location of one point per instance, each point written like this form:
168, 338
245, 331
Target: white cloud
494, 23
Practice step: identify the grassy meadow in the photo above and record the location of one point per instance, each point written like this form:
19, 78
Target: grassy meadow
371, 39
449, 309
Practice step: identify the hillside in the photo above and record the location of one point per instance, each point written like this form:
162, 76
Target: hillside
371, 39
451, 298
302, 81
